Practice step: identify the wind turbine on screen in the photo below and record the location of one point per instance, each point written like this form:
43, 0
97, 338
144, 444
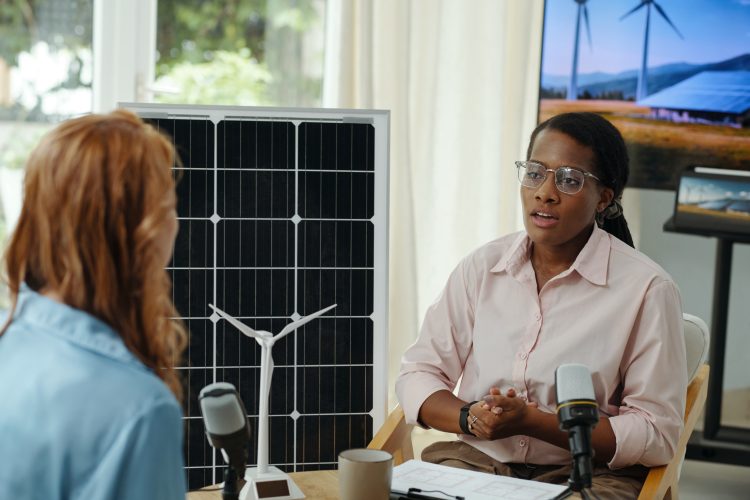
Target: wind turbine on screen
573, 84
264, 478
642, 89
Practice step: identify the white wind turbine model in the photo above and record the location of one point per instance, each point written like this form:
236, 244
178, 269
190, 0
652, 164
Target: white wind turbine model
573, 84
642, 89
264, 481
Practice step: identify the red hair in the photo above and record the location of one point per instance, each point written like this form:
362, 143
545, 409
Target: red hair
96, 193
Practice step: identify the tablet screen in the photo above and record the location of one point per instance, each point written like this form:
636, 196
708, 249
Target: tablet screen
711, 201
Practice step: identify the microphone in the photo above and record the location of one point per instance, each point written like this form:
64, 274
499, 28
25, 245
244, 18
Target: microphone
226, 424
577, 413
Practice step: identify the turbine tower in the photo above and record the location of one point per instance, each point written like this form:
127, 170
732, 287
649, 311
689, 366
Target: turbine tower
642, 89
573, 84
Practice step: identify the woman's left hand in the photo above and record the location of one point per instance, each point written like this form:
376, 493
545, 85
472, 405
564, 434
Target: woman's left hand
499, 416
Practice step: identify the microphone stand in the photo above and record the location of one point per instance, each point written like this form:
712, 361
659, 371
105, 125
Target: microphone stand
586, 494
230, 490
581, 472
232, 485
575, 484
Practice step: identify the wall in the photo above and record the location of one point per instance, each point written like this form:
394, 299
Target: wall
690, 261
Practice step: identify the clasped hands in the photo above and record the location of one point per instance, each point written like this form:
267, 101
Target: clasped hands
500, 415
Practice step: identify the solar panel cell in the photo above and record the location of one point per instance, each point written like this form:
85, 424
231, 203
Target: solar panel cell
195, 194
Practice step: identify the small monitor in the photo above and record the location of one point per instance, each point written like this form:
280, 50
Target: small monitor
713, 201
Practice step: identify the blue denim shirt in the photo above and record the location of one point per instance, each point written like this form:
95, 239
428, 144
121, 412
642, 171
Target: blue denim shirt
80, 416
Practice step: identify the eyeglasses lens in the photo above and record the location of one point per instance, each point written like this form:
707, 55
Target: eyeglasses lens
568, 180
532, 175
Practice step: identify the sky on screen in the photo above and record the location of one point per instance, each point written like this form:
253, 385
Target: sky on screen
713, 30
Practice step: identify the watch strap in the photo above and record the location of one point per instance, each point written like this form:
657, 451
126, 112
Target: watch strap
463, 418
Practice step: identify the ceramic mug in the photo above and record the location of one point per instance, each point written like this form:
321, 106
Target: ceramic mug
365, 474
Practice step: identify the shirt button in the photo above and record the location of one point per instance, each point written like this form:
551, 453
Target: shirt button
522, 443
524, 355
537, 316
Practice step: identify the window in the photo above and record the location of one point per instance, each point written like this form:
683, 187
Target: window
240, 52
45, 77
234, 52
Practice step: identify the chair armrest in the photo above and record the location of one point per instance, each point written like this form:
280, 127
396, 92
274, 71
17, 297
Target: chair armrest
395, 437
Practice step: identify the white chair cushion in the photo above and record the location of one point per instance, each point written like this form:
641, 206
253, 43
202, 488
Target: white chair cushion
696, 343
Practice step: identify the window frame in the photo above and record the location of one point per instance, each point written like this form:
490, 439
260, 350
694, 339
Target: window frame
124, 52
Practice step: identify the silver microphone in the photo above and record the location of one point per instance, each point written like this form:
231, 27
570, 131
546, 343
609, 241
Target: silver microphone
577, 413
226, 423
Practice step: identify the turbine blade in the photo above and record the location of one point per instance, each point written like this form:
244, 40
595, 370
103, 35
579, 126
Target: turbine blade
642, 4
586, 19
666, 18
236, 323
296, 324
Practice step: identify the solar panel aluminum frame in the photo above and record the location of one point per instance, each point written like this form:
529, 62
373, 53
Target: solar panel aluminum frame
379, 119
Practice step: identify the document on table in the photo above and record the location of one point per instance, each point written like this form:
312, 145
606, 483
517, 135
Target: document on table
431, 478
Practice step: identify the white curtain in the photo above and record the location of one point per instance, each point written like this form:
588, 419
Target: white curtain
461, 82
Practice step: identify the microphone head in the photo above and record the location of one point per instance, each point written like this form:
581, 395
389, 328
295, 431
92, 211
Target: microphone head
573, 382
225, 419
222, 409
576, 402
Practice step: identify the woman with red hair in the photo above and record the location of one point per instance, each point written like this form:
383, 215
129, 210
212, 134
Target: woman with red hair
88, 388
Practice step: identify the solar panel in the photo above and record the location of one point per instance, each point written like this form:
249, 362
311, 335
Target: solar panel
713, 91
282, 212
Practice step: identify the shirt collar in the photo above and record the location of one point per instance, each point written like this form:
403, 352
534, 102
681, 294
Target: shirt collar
514, 258
592, 261
73, 325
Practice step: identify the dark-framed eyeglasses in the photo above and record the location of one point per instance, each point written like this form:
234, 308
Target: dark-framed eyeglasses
568, 180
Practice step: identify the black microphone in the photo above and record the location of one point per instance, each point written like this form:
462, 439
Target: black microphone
227, 427
577, 413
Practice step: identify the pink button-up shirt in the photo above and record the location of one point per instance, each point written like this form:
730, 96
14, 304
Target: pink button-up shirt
614, 310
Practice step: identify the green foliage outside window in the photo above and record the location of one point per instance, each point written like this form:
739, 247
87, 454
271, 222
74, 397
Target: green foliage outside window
254, 49
228, 78
59, 24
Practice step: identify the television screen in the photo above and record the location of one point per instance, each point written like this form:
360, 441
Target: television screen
711, 201
672, 75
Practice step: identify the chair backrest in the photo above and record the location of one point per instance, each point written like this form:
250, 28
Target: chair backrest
696, 343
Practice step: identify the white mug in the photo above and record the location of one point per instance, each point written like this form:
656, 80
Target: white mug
365, 474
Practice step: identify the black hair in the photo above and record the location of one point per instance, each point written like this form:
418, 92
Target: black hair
612, 161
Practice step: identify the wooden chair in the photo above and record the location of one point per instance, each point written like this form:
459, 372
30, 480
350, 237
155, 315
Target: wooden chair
661, 481
395, 435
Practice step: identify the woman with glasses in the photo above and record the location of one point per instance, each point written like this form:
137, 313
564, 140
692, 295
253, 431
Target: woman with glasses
89, 393
569, 289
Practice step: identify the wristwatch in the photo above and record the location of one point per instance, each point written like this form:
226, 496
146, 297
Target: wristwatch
463, 418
